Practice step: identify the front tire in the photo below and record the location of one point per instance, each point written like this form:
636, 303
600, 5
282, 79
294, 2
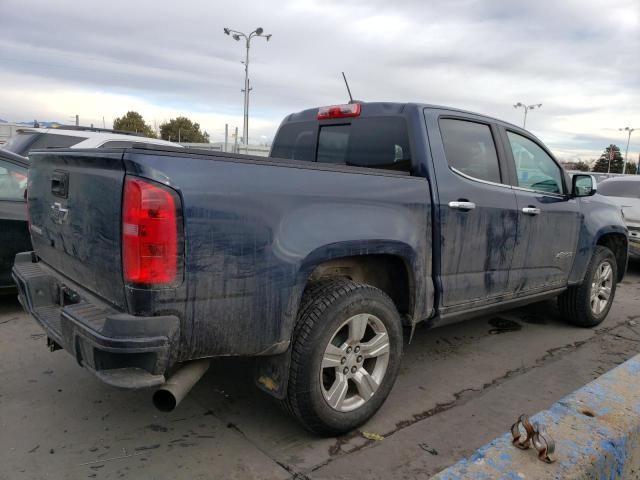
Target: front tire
587, 304
346, 353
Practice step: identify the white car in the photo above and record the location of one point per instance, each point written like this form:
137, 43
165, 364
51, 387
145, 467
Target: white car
27, 139
625, 192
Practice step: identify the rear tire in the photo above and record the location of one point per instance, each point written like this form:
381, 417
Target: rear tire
346, 351
587, 304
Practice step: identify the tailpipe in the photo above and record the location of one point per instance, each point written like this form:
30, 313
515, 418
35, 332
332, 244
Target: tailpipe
171, 393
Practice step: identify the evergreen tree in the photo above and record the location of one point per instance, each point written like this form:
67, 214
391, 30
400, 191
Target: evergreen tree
602, 164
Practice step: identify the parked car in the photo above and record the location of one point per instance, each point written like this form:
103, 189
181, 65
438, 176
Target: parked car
625, 192
14, 232
27, 139
368, 219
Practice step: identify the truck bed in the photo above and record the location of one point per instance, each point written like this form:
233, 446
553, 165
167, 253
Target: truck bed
254, 229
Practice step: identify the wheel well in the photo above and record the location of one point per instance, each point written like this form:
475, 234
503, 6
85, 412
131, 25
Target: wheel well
617, 243
389, 273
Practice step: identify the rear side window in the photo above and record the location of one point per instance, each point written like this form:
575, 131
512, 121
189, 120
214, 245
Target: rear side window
470, 149
13, 181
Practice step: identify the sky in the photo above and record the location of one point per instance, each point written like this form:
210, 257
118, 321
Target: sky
97, 59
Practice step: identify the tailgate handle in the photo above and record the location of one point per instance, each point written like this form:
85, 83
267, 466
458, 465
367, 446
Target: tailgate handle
60, 183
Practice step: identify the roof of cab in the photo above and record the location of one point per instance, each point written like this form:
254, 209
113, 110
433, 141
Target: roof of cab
369, 109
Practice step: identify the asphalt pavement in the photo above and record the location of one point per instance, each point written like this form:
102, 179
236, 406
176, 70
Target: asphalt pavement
460, 386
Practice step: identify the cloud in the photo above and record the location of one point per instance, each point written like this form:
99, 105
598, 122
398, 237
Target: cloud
579, 58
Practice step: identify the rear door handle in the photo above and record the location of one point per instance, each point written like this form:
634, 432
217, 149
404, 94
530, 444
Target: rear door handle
531, 211
465, 206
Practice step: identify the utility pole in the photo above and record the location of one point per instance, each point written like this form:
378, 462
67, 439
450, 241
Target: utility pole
526, 110
236, 35
226, 137
235, 145
626, 153
77, 120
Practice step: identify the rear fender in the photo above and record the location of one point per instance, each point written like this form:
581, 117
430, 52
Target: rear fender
272, 372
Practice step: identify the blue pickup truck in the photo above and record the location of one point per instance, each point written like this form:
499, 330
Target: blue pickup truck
318, 261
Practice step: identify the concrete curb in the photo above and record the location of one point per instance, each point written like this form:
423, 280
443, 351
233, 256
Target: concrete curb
596, 430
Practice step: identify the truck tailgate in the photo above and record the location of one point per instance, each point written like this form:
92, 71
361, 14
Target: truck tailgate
75, 213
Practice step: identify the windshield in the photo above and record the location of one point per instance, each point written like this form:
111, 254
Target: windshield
24, 142
626, 189
21, 143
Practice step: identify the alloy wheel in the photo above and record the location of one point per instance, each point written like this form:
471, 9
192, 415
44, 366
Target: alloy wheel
354, 362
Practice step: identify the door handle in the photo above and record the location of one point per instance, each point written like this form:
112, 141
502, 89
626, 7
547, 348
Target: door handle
465, 206
531, 211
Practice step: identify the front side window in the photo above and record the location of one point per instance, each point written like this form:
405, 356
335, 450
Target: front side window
534, 167
470, 149
13, 181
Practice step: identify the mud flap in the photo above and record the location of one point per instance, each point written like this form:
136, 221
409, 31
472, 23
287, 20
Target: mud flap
271, 373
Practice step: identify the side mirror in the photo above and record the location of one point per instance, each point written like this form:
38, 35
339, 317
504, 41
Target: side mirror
583, 185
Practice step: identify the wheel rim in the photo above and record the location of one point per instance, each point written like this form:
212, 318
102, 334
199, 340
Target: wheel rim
354, 362
601, 287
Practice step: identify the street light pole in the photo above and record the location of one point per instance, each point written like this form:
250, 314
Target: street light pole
626, 152
236, 35
526, 110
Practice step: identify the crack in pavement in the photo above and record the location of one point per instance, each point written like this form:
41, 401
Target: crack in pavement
464, 396
288, 468
617, 335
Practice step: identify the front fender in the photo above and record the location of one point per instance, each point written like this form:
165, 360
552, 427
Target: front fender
599, 218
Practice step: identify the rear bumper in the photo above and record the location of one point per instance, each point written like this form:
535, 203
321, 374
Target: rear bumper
122, 350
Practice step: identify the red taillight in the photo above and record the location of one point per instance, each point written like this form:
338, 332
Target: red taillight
149, 233
339, 111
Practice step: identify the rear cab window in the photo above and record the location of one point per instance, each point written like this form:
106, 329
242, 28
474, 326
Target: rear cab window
380, 142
